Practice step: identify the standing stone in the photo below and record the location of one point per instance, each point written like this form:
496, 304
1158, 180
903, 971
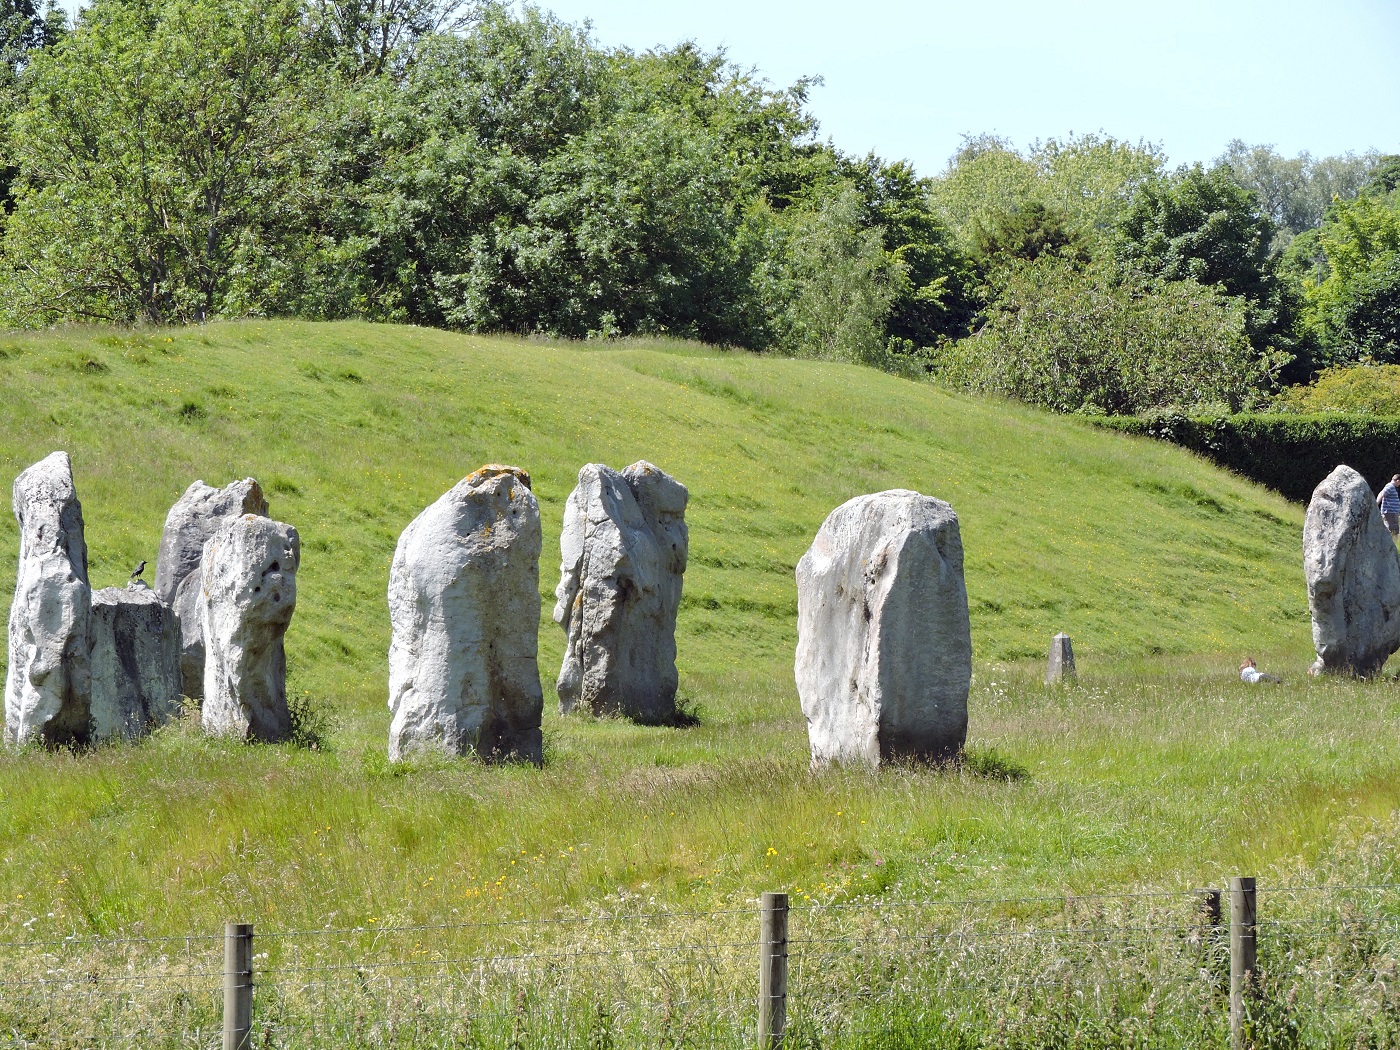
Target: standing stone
135, 647
1353, 574
48, 680
884, 644
624, 547
202, 511
464, 602
247, 598
1061, 660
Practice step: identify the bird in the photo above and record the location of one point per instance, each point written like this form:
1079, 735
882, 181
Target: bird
136, 572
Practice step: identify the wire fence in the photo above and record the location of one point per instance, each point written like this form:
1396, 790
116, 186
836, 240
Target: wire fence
1133, 969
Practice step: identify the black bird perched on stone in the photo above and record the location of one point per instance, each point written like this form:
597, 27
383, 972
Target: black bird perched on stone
136, 573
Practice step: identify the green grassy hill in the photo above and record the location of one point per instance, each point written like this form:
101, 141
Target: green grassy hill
1129, 546
1133, 547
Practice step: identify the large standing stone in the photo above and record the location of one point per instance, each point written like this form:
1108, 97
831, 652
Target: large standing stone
1353, 574
135, 646
884, 645
248, 594
464, 602
202, 511
48, 681
624, 548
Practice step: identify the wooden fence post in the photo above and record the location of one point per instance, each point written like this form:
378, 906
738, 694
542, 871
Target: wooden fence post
772, 970
1243, 965
238, 985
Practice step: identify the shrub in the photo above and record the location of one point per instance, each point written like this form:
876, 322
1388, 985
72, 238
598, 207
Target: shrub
1102, 343
1370, 390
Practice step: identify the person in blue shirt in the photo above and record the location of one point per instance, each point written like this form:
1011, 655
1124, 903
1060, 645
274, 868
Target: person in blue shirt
1389, 501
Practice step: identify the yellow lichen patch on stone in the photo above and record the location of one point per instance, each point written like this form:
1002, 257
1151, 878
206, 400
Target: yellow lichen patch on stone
495, 470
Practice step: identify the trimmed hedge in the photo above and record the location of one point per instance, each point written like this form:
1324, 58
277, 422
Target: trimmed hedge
1288, 453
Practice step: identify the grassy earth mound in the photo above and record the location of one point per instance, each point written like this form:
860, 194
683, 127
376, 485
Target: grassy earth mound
1157, 769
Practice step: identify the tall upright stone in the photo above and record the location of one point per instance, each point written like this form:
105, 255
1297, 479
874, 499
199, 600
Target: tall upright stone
202, 511
464, 603
48, 679
135, 647
248, 595
624, 548
884, 643
1353, 576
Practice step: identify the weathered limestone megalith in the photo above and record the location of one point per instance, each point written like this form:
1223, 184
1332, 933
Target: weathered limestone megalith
884, 644
247, 597
1061, 664
464, 603
48, 679
202, 511
1353, 574
135, 652
624, 548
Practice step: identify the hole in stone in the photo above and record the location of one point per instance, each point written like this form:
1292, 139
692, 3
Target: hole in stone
257, 589
274, 567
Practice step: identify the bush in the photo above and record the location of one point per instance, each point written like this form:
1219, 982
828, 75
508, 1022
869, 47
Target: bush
1102, 343
1288, 453
1369, 390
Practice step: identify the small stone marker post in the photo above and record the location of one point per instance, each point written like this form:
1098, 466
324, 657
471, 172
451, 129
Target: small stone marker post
1061, 660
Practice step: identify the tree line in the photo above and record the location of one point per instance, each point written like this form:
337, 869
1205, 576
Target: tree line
489, 168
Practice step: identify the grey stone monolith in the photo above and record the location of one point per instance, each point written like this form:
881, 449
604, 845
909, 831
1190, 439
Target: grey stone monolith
48, 678
1061, 665
1353, 577
202, 511
624, 547
464, 604
247, 597
884, 643
135, 651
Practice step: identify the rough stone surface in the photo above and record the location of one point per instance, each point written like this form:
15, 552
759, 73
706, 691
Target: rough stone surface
624, 547
1353, 574
135, 652
1061, 665
48, 681
248, 594
884, 644
464, 603
202, 511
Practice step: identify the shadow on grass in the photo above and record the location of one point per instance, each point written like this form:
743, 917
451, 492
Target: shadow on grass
989, 764
685, 716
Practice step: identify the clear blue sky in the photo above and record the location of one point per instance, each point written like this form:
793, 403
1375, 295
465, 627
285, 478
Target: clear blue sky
906, 79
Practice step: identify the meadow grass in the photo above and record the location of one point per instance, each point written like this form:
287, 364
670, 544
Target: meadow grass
1158, 769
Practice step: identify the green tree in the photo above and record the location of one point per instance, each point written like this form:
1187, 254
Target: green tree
1024, 234
25, 29
830, 284
1202, 225
936, 299
1350, 276
159, 151
1295, 192
535, 182
1088, 180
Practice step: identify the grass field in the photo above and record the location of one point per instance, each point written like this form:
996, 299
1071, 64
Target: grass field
1158, 770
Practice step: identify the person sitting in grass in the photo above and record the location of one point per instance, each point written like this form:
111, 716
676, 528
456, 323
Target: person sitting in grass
1389, 502
1250, 673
